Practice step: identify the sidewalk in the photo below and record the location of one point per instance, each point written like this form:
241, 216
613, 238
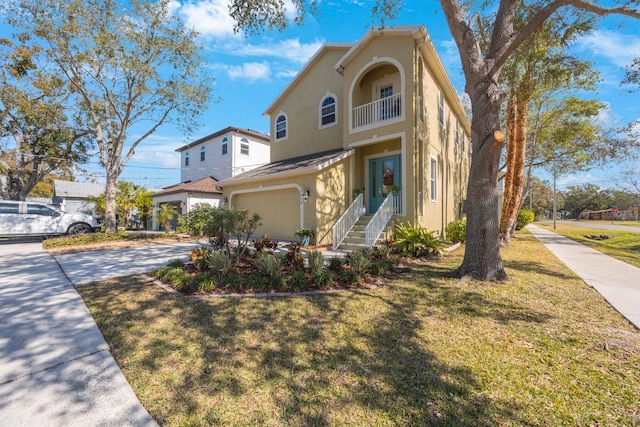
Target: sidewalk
55, 366
617, 281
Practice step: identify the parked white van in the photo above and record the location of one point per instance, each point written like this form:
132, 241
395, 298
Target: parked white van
39, 219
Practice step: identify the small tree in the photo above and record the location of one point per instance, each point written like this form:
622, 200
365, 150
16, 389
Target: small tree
165, 214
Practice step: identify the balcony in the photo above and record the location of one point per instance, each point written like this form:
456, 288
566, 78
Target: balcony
377, 111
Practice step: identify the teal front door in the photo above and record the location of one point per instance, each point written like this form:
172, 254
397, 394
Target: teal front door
384, 176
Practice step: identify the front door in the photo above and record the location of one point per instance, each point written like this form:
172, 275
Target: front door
384, 177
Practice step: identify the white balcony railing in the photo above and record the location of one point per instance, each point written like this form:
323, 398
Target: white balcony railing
377, 111
347, 220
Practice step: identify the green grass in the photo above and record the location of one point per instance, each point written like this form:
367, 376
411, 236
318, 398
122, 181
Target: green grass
624, 245
93, 238
540, 349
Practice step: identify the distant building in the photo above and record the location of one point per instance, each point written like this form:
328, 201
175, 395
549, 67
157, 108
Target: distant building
71, 196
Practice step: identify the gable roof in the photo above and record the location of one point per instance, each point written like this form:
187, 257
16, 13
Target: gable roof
291, 167
76, 189
252, 133
305, 69
205, 185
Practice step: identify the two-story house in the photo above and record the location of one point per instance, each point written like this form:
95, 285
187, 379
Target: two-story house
367, 132
208, 160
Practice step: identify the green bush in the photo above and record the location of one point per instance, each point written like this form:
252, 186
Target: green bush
336, 264
297, 280
218, 262
322, 278
177, 278
416, 241
359, 261
350, 277
203, 282
456, 230
316, 262
271, 265
525, 217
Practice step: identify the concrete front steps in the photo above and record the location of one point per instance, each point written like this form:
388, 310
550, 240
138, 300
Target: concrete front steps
356, 238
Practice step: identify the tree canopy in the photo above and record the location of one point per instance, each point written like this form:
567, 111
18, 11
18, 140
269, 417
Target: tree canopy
129, 66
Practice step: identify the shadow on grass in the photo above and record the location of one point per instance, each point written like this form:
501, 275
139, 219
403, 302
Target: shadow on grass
359, 358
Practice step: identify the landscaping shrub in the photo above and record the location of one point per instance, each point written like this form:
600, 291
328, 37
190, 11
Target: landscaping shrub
416, 241
456, 230
219, 262
203, 282
297, 280
336, 264
359, 261
349, 277
177, 278
270, 265
525, 217
316, 262
322, 278
197, 256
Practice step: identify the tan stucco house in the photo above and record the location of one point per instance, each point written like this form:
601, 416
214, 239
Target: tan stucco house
378, 117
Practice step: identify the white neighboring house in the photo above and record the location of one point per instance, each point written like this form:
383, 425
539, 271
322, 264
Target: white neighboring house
210, 159
71, 196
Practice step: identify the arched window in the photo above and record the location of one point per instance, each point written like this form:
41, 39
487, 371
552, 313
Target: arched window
281, 127
225, 145
328, 111
186, 158
202, 153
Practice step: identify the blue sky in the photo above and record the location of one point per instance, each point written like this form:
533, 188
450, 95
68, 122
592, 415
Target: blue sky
250, 72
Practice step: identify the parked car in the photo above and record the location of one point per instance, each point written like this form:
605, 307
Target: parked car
40, 219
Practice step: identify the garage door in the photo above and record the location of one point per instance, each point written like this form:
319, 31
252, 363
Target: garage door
279, 209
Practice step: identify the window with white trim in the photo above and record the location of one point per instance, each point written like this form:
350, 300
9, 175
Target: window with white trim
441, 108
328, 111
186, 158
202, 156
433, 178
225, 145
244, 146
281, 127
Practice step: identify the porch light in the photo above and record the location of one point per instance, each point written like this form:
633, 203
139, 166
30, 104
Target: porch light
305, 194
224, 201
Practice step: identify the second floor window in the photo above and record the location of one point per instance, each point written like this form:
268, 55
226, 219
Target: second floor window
281, 127
328, 111
244, 146
225, 146
186, 159
202, 154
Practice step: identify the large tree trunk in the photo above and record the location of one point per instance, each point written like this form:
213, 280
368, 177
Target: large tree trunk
482, 259
110, 225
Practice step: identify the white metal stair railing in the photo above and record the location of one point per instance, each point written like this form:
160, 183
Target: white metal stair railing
342, 227
379, 221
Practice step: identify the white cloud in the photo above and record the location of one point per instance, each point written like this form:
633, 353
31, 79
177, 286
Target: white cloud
616, 47
252, 71
209, 18
290, 49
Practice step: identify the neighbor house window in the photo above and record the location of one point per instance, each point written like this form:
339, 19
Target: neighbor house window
281, 127
244, 146
328, 111
441, 108
202, 153
433, 177
186, 158
225, 146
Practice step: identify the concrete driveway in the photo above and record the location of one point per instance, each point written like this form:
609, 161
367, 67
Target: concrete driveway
55, 366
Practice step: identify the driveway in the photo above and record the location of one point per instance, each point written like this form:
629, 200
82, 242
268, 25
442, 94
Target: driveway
86, 267
55, 366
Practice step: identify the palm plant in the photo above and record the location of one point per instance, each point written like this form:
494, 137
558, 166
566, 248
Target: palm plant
165, 214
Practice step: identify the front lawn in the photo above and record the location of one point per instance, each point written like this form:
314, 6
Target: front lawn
623, 245
425, 349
